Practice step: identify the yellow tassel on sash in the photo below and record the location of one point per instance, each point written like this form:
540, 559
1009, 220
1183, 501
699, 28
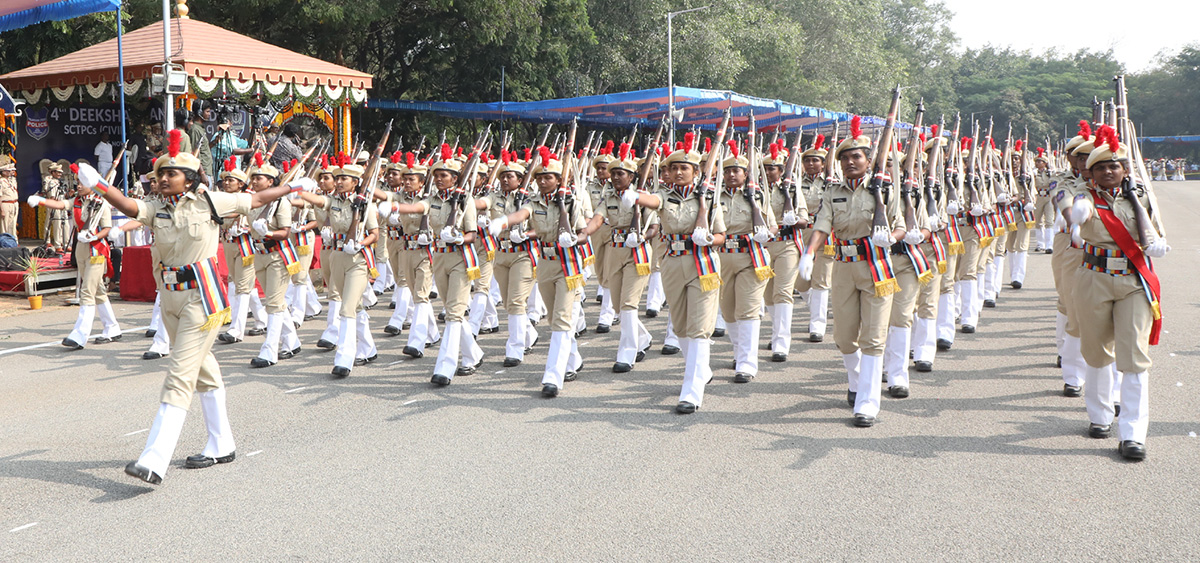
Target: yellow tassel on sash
374, 272
293, 268
1156, 310
574, 282
97, 259
1030, 224
956, 248
1012, 227
473, 273
986, 241
491, 255
829, 250
886, 287
709, 282
941, 266
248, 260
643, 269
218, 319
764, 273
304, 250
591, 259
927, 277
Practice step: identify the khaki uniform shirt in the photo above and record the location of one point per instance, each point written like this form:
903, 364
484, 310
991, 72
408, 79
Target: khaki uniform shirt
616, 217
677, 215
848, 212
280, 219
544, 217
8, 189
185, 233
439, 210
739, 215
338, 213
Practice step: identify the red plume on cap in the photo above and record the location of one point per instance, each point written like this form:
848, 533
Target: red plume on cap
324, 162
608, 147
75, 169
966, 143
733, 148
1041, 151
707, 144
922, 138
504, 157
287, 165
689, 141
258, 159
1107, 135
544, 152
446, 153
528, 154
624, 154
1085, 130
174, 139
933, 131
856, 127
229, 164
632, 153
395, 158
1020, 144
460, 151
343, 158
678, 145
819, 142
410, 159
581, 151
774, 151
295, 161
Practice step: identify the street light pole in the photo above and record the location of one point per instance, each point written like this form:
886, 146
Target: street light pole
670, 72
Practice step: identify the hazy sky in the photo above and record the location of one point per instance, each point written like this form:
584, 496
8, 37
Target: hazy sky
1154, 25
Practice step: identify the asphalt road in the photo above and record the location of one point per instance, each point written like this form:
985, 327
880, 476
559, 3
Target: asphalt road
987, 460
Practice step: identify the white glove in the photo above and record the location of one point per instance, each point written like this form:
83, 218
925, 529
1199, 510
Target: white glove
385, 208
566, 239
35, 200
790, 218
1002, 198
260, 227
1029, 207
393, 219
1082, 210
483, 222
304, 184
1158, 248
351, 247
976, 210
423, 239
87, 175
326, 232
629, 198
701, 237
85, 236
806, 266
914, 236
882, 237
516, 235
294, 197
761, 235
1075, 236
115, 234
497, 227
632, 240
935, 223
952, 208
297, 228
447, 235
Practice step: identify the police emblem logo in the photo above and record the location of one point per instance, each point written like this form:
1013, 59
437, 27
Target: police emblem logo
37, 123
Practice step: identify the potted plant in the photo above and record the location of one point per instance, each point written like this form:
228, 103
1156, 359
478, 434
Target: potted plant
32, 270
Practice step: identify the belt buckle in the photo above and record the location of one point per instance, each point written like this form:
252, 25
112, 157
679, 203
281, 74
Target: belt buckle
732, 243
678, 246
848, 250
412, 244
506, 244
550, 252
170, 277
441, 244
617, 239
1115, 264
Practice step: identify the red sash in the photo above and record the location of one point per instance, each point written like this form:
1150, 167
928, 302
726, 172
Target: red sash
1133, 253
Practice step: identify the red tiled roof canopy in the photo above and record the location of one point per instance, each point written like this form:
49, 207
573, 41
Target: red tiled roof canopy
204, 50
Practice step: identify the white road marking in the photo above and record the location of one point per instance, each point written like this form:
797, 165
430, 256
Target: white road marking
410, 402
137, 432
255, 452
396, 362
298, 389
19, 528
499, 372
59, 342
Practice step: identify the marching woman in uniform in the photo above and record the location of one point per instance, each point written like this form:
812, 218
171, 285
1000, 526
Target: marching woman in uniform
186, 222
454, 265
414, 259
239, 255
482, 317
393, 177
275, 260
327, 186
745, 264
785, 245
304, 222
515, 262
1117, 298
863, 278
691, 272
560, 270
351, 263
626, 263
93, 219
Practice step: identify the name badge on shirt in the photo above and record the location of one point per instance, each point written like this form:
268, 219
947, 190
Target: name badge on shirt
435, 206
673, 200
162, 215
335, 208
839, 200
539, 212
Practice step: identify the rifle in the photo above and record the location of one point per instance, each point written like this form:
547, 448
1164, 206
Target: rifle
466, 177
706, 185
972, 173
932, 200
751, 184
1129, 188
879, 154
358, 225
909, 182
564, 219
788, 182
646, 172
830, 162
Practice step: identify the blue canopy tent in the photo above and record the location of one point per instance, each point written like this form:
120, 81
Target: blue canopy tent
15, 14
701, 108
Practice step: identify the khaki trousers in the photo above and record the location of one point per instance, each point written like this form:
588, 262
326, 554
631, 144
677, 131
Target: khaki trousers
785, 261
487, 269
8, 218
862, 316
268, 268
741, 290
1114, 319
1018, 241
928, 293
349, 279
450, 275
602, 243
1044, 212
621, 279
514, 273
693, 310
326, 269
560, 301
301, 277
968, 261
416, 269
822, 274
92, 290
1065, 263
191, 366
905, 301
395, 248
242, 276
